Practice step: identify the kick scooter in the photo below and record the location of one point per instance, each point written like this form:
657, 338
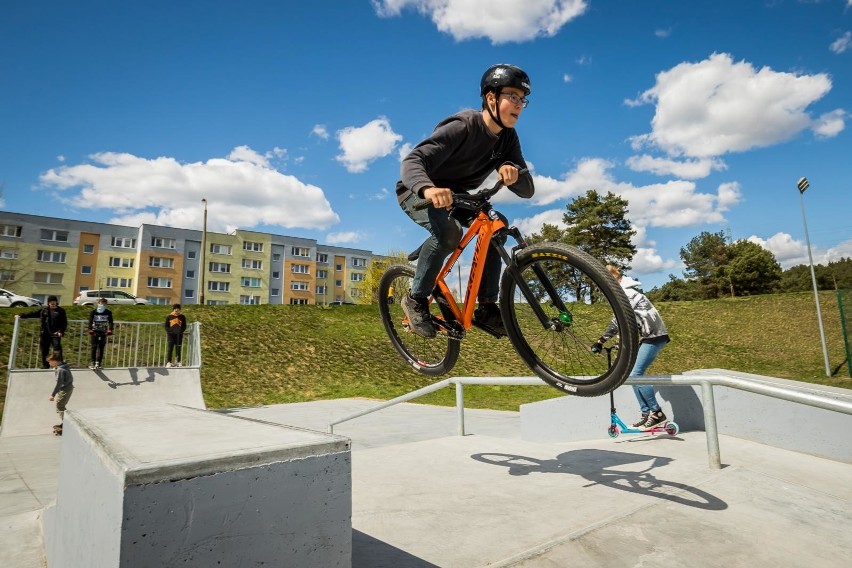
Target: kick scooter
616, 426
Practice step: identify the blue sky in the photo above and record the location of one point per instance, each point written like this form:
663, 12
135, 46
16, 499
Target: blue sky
291, 117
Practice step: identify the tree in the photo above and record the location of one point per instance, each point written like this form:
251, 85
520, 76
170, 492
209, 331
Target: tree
370, 285
597, 225
705, 258
751, 269
675, 290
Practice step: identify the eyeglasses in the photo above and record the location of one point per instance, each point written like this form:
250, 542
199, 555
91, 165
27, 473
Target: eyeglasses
516, 100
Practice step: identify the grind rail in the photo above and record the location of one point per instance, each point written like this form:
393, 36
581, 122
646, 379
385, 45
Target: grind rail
705, 380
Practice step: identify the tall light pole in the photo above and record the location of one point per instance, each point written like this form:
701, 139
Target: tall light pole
803, 185
203, 267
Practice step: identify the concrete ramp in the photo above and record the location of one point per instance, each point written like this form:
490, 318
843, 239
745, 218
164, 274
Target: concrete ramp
28, 410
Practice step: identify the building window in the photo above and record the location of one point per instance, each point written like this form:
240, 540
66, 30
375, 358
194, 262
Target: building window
252, 264
298, 301
163, 243
190, 254
9, 254
47, 278
6, 275
217, 302
250, 300
322, 273
88, 249
338, 283
300, 251
114, 282
357, 277
124, 242
338, 267
253, 247
250, 282
50, 256
359, 262
155, 282
301, 269
85, 269
321, 290
118, 262
216, 286
190, 274
220, 249
322, 257
274, 292
161, 262
53, 235
189, 293
299, 286
220, 267
276, 257
158, 300
276, 275
10, 231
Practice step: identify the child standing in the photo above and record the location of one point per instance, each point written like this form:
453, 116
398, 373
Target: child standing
175, 326
63, 389
100, 326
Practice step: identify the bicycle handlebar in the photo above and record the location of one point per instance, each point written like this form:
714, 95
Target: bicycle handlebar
471, 201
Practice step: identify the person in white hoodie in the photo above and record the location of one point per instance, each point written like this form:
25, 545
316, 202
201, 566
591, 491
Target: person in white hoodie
653, 336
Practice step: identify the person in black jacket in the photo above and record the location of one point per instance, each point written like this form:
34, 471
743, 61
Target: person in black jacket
53, 325
462, 151
100, 326
175, 326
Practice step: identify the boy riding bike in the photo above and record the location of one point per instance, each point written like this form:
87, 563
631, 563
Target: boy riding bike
459, 155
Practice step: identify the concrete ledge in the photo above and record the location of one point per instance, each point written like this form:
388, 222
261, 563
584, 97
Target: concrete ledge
756, 417
164, 485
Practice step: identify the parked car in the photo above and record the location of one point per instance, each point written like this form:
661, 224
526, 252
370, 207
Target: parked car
339, 303
115, 297
11, 300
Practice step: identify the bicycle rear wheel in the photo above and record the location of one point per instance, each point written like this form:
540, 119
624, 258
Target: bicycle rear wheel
564, 301
428, 356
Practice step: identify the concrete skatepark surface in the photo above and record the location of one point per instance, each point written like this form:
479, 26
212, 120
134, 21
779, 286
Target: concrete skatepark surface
422, 496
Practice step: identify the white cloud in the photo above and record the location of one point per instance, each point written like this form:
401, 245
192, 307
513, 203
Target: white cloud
500, 21
717, 106
790, 252
344, 237
842, 43
242, 191
830, 124
380, 195
687, 169
663, 33
404, 150
364, 144
566, 78
320, 131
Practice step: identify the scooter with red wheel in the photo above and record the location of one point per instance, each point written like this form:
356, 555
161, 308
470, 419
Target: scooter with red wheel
616, 426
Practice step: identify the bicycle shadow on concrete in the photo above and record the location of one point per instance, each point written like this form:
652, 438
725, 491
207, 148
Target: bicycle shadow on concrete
369, 552
594, 466
138, 376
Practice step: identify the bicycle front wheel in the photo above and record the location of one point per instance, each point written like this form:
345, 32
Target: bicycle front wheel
428, 356
556, 301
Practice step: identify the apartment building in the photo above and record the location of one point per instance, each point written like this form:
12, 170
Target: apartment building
43, 256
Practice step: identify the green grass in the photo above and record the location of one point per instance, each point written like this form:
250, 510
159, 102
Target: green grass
259, 355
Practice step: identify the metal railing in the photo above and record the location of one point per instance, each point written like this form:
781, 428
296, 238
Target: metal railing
132, 344
705, 380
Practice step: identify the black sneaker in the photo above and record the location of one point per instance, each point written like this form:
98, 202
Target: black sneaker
419, 318
641, 422
489, 315
655, 418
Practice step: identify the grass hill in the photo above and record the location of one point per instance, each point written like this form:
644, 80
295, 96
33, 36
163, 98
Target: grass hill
259, 355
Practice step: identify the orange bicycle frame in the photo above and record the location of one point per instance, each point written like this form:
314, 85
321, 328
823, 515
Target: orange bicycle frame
484, 228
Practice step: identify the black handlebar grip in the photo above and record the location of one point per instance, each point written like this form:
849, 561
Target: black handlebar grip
422, 205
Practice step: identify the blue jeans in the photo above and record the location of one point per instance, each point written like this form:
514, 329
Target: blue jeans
445, 235
646, 394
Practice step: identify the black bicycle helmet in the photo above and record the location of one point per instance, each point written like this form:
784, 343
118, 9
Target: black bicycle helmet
504, 75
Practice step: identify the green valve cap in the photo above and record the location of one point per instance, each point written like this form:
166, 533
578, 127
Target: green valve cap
565, 317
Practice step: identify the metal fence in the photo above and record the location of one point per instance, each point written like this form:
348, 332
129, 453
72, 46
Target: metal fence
132, 344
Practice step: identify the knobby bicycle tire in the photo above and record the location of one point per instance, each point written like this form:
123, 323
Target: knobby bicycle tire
431, 357
587, 299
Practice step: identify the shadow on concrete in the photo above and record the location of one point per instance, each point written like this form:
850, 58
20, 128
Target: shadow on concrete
149, 374
593, 465
687, 408
369, 552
